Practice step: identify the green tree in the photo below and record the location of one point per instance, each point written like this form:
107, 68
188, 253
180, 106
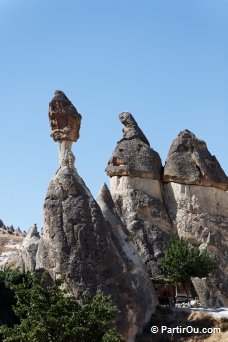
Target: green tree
47, 314
7, 300
182, 261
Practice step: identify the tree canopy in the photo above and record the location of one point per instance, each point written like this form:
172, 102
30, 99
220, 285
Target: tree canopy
46, 313
182, 261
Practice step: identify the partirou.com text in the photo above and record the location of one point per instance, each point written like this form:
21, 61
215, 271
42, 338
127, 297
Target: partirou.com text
179, 329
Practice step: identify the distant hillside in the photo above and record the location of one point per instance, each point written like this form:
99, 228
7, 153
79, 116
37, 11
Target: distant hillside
10, 242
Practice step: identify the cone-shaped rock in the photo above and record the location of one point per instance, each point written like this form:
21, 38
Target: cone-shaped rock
133, 155
136, 190
196, 200
190, 162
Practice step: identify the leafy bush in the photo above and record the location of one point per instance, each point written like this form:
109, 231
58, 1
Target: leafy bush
48, 313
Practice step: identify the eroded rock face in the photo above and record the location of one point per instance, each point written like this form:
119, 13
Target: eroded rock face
133, 156
145, 217
200, 214
197, 205
190, 162
137, 193
80, 244
28, 250
123, 239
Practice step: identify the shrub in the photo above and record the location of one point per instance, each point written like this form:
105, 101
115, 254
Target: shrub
48, 313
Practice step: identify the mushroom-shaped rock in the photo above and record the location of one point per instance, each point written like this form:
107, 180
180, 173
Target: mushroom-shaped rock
65, 124
64, 118
190, 162
80, 243
133, 156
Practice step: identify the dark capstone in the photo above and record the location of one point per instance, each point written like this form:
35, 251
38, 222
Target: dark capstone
133, 156
131, 129
64, 118
190, 162
136, 159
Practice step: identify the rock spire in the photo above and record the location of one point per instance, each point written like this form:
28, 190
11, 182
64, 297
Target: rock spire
136, 189
65, 124
79, 242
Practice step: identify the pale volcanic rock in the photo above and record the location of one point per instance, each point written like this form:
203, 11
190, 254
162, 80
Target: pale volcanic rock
123, 238
133, 155
197, 202
190, 162
138, 275
136, 190
10, 242
200, 214
145, 217
9, 247
28, 250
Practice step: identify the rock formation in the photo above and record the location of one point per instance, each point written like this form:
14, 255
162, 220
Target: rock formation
80, 243
65, 124
136, 189
105, 245
197, 204
28, 250
133, 157
190, 162
64, 119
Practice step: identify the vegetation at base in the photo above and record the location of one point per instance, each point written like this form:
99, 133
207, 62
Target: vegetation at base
46, 313
7, 298
182, 261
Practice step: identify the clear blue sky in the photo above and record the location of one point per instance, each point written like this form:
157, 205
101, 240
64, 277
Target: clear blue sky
165, 61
